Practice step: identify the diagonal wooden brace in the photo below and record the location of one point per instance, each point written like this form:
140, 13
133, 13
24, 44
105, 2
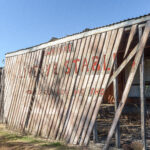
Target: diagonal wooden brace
129, 83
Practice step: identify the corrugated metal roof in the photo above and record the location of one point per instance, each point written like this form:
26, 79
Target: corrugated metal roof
111, 24
135, 18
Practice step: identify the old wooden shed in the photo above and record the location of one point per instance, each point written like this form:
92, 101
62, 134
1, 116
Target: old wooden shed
56, 89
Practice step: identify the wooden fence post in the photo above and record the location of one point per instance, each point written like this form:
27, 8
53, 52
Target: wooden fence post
142, 97
115, 87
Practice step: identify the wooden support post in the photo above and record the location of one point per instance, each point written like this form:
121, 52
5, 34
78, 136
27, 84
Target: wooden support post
95, 134
123, 64
131, 36
142, 98
135, 65
115, 87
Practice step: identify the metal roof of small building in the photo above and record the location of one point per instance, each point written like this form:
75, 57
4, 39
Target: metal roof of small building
126, 22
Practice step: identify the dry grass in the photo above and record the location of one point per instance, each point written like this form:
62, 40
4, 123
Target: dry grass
14, 141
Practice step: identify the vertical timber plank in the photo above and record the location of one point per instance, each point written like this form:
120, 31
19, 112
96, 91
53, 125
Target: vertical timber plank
7, 76
9, 83
34, 73
40, 94
28, 78
99, 86
44, 91
51, 55
142, 97
91, 53
23, 90
109, 67
86, 80
67, 88
18, 90
63, 81
90, 83
115, 90
131, 36
29, 96
38, 108
80, 77
78, 55
59, 79
12, 91
56, 81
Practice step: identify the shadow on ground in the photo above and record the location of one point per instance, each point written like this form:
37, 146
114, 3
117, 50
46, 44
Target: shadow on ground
13, 141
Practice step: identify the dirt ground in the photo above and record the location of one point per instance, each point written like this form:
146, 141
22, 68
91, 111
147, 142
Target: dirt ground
14, 141
130, 127
130, 133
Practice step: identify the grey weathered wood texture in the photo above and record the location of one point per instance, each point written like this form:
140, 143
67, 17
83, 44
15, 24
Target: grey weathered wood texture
142, 97
56, 90
129, 82
115, 90
2, 84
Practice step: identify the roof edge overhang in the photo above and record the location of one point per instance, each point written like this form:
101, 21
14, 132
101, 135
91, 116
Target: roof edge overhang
81, 35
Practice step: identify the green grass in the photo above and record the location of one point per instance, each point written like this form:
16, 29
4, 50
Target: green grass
12, 140
52, 144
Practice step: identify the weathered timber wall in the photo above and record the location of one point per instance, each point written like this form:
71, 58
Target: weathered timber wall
56, 91
2, 95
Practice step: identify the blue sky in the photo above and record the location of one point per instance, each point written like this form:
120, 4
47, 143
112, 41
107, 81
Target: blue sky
25, 23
